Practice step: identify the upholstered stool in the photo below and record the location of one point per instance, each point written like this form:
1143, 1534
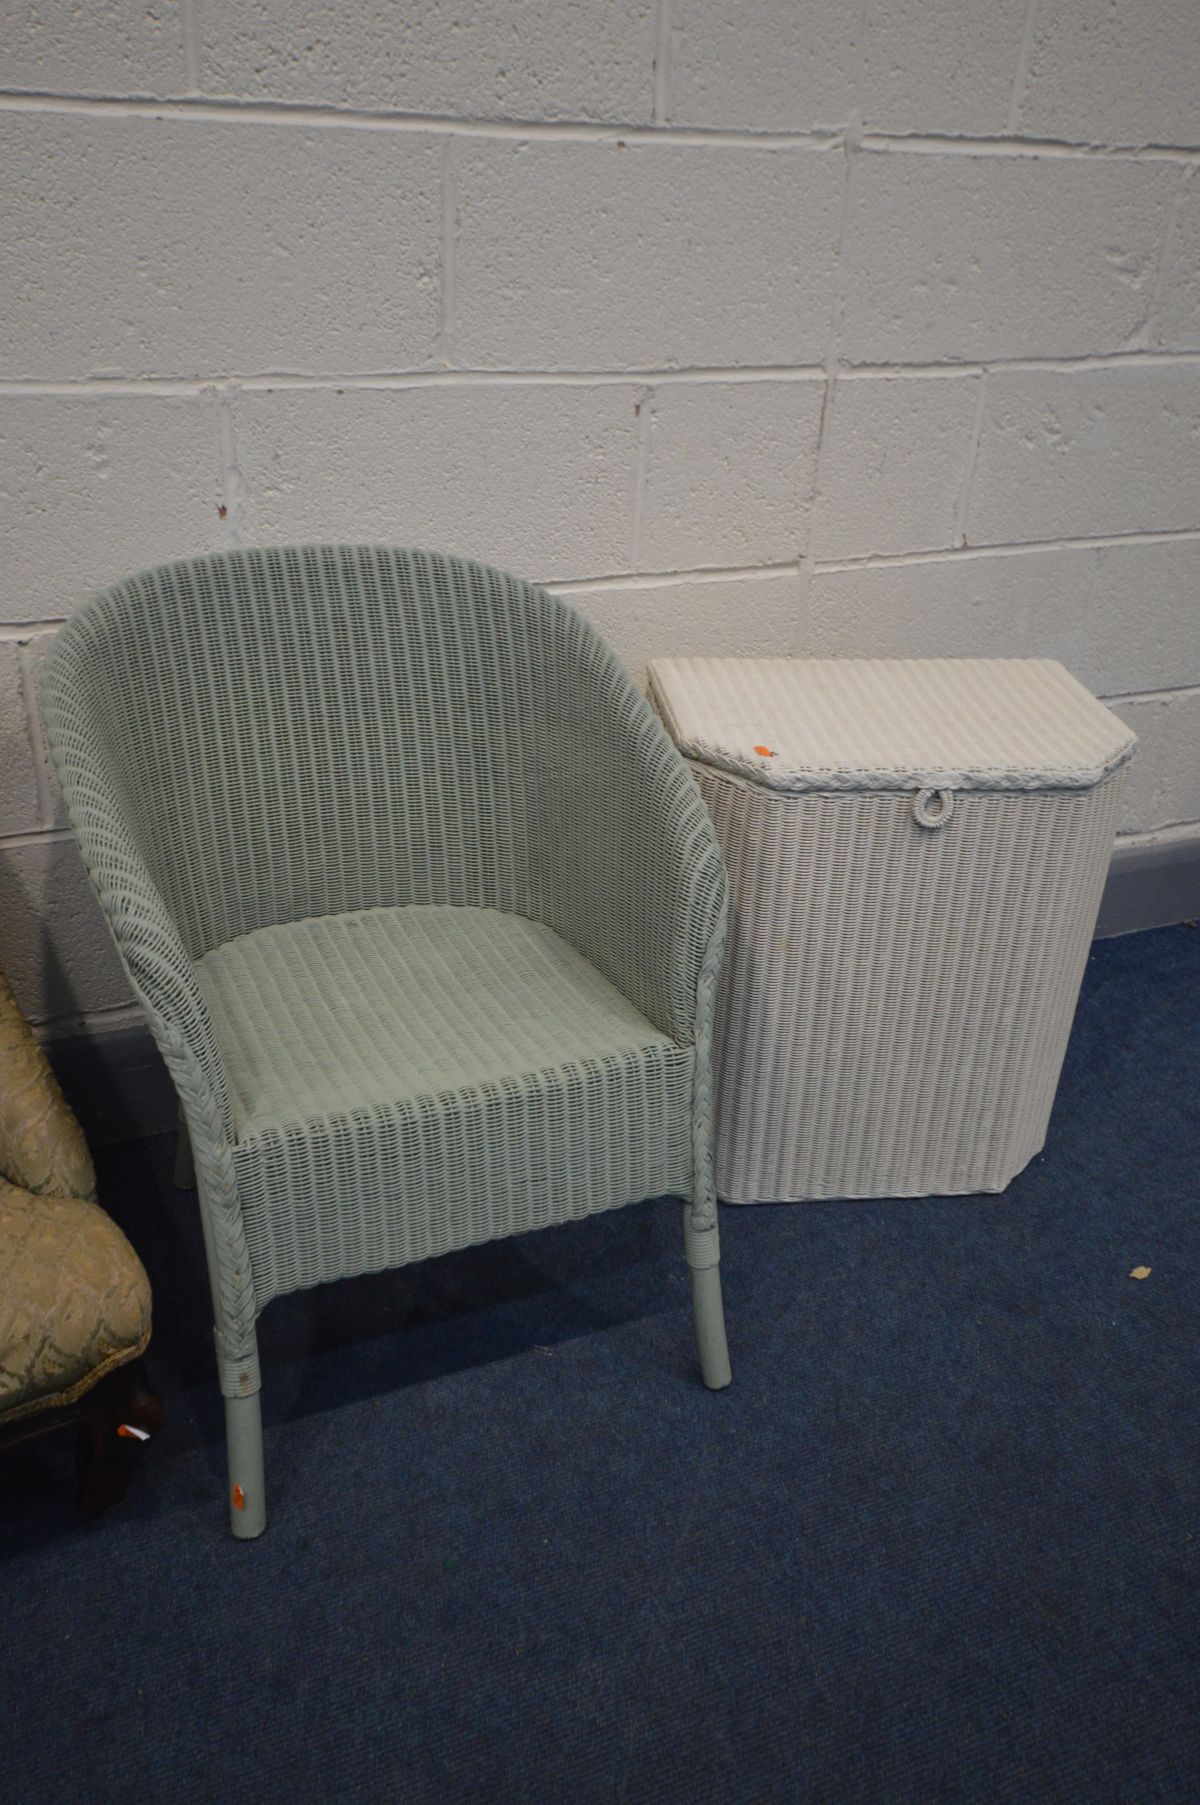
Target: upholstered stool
74, 1305
74, 1297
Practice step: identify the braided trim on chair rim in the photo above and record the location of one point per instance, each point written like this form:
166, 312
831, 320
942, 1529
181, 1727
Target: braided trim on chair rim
221, 1211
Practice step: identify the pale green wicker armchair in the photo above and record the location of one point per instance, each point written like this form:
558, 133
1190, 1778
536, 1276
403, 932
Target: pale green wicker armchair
422, 905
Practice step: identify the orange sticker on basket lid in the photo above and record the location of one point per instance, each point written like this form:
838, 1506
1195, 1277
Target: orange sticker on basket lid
764, 752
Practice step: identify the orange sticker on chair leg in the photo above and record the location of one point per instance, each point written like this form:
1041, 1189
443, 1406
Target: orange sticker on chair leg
239, 1498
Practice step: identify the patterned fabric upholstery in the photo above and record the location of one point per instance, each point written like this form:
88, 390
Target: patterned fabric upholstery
74, 1304
42, 1148
74, 1298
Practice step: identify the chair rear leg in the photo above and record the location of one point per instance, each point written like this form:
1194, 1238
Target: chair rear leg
703, 1251
247, 1496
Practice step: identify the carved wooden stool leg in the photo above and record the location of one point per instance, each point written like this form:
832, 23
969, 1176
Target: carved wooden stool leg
119, 1417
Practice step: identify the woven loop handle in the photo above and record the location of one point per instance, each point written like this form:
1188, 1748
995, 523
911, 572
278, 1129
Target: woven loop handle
937, 815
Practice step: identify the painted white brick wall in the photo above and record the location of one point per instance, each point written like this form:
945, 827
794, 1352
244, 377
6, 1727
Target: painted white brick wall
897, 453
963, 257
832, 329
647, 256
536, 479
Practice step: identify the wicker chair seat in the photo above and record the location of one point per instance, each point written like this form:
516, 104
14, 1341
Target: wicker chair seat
394, 1050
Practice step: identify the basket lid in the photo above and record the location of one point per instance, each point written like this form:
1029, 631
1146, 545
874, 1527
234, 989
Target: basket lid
890, 724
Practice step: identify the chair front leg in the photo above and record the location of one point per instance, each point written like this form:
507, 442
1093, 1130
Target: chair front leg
241, 1387
702, 1248
236, 1338
247, 1494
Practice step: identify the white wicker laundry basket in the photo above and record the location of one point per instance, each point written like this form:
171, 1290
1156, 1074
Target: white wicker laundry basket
916, 853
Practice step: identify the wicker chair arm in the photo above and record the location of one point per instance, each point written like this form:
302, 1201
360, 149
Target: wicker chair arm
148, 941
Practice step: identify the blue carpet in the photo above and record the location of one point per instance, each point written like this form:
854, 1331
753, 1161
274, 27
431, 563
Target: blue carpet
937, 1543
